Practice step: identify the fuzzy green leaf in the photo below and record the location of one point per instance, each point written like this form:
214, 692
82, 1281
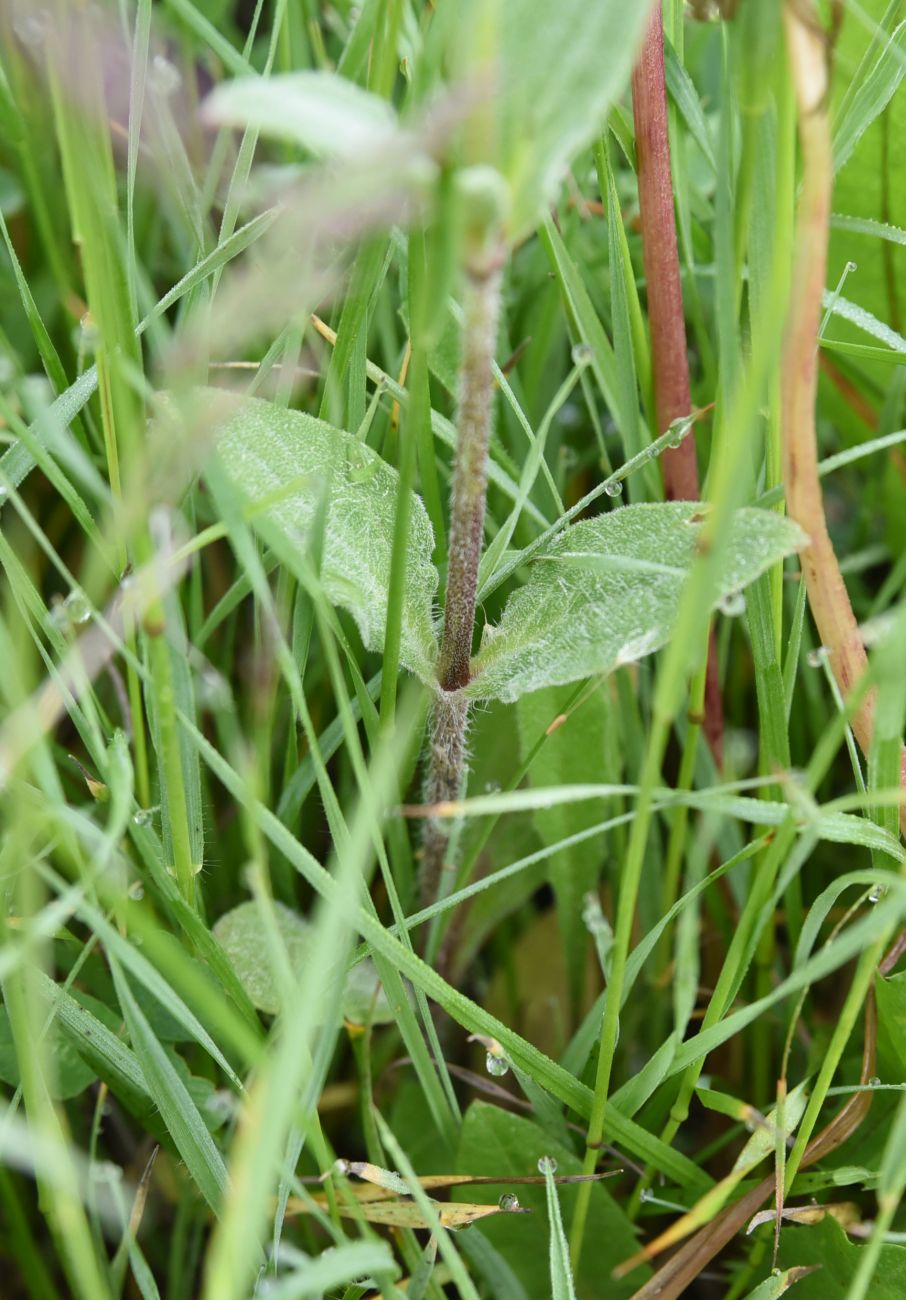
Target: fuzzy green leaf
555, 71
324, 113
606, 593
284, 463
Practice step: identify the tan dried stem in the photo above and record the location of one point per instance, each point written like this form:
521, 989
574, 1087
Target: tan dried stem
827, 594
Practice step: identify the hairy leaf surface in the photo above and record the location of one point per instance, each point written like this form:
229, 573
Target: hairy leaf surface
287, 465
606, 593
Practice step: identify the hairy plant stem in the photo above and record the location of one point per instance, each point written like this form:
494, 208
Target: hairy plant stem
827, 594
450, 714
666, 317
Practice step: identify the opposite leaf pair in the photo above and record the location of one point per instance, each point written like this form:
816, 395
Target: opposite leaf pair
603, 593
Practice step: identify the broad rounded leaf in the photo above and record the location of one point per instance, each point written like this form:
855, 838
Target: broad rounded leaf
286, 462
826, 1244
326, 114
245, 938
606, 593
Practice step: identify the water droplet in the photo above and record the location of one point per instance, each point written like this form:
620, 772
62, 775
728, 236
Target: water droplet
165, 76
614, 487
817, 658
678, 430
852, 266
582, 355
144, 816
492, 787
547, 1165
733, 604
66, 615
137, 890
509, 1201
874, 1082
496, 1064
646, 1194
877, 893
77, 606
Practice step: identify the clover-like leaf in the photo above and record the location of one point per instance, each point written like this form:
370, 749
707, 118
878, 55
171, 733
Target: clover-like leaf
606, 592
245, 938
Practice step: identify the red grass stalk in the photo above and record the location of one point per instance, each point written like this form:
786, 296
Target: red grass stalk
827, 594
667, 321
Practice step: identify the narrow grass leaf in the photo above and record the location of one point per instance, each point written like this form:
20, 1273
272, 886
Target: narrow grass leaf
178, 1111
562, 1285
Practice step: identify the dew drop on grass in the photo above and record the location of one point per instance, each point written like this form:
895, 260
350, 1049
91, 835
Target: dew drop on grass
77, 607
582, 354
68, 614
732, 605
547, 1165
877, 893
874, 1082
496, 1064
613, 488
817, 658
677, 431
509, 1201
